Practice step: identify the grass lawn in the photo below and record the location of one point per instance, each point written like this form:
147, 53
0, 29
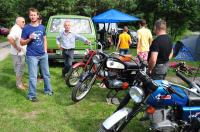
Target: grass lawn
57, 112
52, 113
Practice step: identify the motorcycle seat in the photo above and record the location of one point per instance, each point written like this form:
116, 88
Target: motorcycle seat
131, 65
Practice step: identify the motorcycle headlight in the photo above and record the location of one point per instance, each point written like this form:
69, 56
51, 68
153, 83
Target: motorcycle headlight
96, 59
136, 94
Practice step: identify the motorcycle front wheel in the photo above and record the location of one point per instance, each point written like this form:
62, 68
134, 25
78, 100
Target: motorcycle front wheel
72, 77
82, 88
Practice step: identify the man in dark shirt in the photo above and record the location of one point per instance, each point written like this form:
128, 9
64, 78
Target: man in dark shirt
160, 52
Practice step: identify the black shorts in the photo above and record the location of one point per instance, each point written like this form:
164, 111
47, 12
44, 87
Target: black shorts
159, 72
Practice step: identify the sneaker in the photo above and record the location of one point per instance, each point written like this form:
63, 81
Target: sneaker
49, 93
33, 99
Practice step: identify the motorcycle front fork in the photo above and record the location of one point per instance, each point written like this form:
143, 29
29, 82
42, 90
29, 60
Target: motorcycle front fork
124, 102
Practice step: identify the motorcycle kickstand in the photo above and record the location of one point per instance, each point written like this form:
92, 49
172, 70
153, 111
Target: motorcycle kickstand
109, 95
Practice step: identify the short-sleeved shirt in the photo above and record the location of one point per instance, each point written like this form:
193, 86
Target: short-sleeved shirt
145, 38
36, 46
68, 40
15, 33
163, 45
124, 38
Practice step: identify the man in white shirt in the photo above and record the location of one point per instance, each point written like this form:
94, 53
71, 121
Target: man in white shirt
17, 51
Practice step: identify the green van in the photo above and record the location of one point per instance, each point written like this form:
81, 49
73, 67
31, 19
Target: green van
79, 24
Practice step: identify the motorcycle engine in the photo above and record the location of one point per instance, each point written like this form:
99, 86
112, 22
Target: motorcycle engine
109, 73
160, 120
114, 84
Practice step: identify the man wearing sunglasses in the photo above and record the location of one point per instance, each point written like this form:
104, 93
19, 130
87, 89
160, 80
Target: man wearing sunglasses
17, 51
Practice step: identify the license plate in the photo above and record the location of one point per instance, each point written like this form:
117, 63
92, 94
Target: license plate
58, 52
76, 52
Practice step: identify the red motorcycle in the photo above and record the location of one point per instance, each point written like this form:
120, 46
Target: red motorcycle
78, 68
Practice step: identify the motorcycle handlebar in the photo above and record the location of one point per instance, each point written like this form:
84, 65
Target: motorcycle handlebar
191, 84
142, 76
180, 75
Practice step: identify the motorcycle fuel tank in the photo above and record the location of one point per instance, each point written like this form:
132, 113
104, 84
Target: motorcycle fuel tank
161, 97
114, 64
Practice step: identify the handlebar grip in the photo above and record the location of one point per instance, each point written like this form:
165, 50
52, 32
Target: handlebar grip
184, 78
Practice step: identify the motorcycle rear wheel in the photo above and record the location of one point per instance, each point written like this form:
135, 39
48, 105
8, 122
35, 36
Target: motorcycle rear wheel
72, 77
82, 88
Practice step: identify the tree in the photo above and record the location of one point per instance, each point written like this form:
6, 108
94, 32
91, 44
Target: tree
48, 8
178, 14
8, 12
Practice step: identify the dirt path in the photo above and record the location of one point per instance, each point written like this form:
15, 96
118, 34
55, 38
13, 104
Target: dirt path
177, 80
4, 50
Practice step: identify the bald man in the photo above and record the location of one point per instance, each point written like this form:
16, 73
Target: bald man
17, 51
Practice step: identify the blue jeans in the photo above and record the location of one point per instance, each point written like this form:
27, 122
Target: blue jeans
33, 62
123, 51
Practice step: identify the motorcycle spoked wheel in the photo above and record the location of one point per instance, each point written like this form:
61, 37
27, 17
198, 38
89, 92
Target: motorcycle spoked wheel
72, 77
82, 88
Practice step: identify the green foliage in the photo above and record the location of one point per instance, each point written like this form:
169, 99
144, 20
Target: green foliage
180, 15
8, 12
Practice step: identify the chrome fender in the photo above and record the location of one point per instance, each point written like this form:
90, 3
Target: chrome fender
116, 117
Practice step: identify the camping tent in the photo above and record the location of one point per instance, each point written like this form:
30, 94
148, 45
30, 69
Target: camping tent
113, 16
188, 48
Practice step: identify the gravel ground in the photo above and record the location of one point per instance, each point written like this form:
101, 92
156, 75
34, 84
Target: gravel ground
4, 50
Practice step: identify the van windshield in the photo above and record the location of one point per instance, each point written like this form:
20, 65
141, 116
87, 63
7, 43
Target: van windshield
78, 25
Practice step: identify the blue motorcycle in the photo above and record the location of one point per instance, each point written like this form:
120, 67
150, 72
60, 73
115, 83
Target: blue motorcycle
169, 107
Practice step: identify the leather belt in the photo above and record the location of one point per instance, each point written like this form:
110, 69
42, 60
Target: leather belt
68, 49
161, 64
